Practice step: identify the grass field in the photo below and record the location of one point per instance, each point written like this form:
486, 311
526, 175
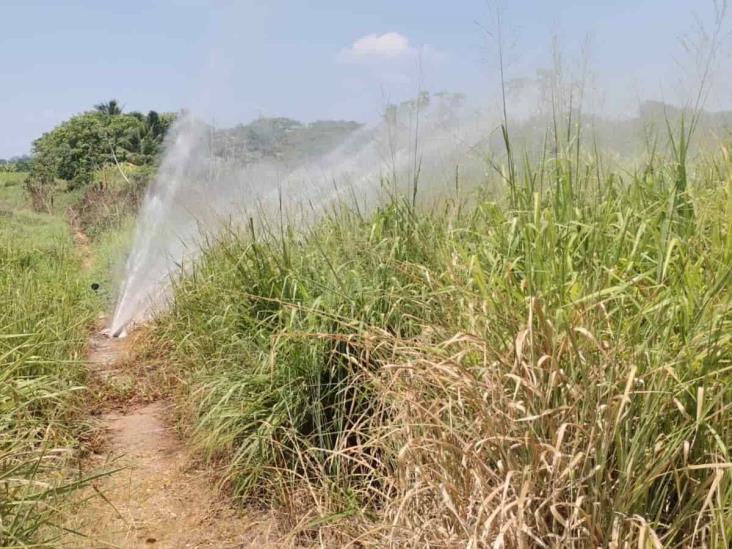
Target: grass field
547, 361
11, 195
45, 314
552, 369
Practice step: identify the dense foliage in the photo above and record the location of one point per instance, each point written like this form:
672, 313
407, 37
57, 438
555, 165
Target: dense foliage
45, 312
548, 370
87, 142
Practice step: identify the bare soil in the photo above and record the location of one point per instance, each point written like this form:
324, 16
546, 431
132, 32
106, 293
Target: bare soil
153, 496
156, 498
80, 239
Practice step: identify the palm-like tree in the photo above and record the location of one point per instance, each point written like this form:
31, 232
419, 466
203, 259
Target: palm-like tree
110, 108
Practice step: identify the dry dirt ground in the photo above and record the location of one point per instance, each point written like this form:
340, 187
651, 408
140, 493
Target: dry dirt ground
156, 498
80, 239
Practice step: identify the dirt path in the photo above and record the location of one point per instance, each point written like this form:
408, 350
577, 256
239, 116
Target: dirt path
157, 499
80, 239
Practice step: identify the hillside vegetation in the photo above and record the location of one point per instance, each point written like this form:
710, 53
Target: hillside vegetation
282, 139
552, 368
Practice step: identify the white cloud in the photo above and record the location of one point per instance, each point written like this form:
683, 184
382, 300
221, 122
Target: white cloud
378, 47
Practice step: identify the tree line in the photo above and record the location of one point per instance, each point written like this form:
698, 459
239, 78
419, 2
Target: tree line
16, 164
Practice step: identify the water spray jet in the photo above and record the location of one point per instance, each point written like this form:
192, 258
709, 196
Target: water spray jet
198, 193
121, 333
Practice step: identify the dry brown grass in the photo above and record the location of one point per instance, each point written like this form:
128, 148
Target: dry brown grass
552, 372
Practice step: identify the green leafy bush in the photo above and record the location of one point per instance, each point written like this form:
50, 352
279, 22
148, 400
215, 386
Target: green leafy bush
87, 142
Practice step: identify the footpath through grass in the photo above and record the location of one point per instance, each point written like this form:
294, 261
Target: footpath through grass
45, 314
554, 369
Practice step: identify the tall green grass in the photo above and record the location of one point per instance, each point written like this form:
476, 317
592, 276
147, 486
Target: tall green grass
11, 192
45, 311
552, 369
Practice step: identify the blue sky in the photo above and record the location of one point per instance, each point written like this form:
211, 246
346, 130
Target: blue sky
233, 61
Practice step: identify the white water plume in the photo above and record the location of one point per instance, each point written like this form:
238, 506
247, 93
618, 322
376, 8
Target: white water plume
196, 192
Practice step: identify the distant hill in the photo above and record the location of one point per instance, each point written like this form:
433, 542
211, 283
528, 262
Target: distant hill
625, 137
283, 139
657, 112
292, 142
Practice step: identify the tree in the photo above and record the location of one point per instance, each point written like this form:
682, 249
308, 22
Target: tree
78, 147
110, 108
